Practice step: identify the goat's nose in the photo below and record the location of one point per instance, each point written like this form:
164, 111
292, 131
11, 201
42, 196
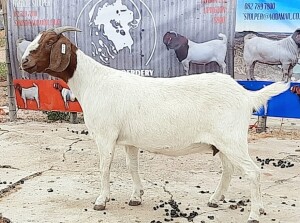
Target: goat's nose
24, 61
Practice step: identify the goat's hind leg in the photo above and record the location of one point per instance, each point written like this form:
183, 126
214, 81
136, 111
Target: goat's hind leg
132, 164
223, 185
222, 65
243, 162
106, 150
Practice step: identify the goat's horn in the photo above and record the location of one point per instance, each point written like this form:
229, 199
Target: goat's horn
59, 30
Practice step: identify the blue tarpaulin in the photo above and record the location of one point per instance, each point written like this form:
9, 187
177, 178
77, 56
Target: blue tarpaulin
285, 105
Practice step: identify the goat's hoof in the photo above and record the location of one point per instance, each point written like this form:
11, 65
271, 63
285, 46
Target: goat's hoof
212, 205
99, 207
134, 203
252, 221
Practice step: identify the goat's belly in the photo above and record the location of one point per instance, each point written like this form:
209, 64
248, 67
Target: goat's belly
177, 151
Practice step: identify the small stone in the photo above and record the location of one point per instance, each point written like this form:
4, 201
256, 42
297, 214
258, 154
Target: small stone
293, 205
211, 217
231, 201
273, 219
85, 209
233, 206
50, 190
242, 210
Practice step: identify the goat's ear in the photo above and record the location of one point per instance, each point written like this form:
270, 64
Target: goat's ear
60, 55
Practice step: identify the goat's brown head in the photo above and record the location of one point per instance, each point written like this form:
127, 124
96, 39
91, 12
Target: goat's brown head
18, 88
51, 52
173, 40
296, 37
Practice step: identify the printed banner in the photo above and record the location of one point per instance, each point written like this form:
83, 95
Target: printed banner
280, 16
46, 95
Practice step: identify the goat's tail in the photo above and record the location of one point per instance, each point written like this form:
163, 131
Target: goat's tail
260, 97
223, 36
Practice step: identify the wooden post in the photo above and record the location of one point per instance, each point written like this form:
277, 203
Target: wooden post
10, 89
262, 124
73, 118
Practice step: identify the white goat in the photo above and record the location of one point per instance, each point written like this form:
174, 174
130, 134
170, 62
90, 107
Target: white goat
66, 94
201, 53
31, 93
276, 52
22, 44
175, 116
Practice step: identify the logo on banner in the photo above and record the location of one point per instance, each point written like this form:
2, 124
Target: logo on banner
112, 27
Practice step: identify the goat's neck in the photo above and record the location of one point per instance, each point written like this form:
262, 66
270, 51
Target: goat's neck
87, 75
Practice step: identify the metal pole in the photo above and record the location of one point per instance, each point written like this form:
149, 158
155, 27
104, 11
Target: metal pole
11, 92
73, 118
262, 124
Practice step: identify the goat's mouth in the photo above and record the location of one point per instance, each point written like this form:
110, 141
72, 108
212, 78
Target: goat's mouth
30, 69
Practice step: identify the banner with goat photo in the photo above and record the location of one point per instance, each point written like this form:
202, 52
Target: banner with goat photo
159, 39
140, 37
266, 47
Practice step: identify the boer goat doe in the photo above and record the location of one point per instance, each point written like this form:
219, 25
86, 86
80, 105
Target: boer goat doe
275, 52
188, 51
174, 117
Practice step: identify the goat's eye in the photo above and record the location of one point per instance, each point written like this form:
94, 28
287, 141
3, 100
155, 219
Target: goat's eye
49, 44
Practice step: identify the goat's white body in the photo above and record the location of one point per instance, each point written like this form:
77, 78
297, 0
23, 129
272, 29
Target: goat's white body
203, 53
275, 52
159, 114
67, 95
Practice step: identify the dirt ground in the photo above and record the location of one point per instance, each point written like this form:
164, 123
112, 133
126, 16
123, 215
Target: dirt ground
49, 174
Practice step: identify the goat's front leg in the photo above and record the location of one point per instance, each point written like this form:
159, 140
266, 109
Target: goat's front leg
286, 72
106, 150
37, 102
250, 71
133, 166
224, 182
186, 66
25, 102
